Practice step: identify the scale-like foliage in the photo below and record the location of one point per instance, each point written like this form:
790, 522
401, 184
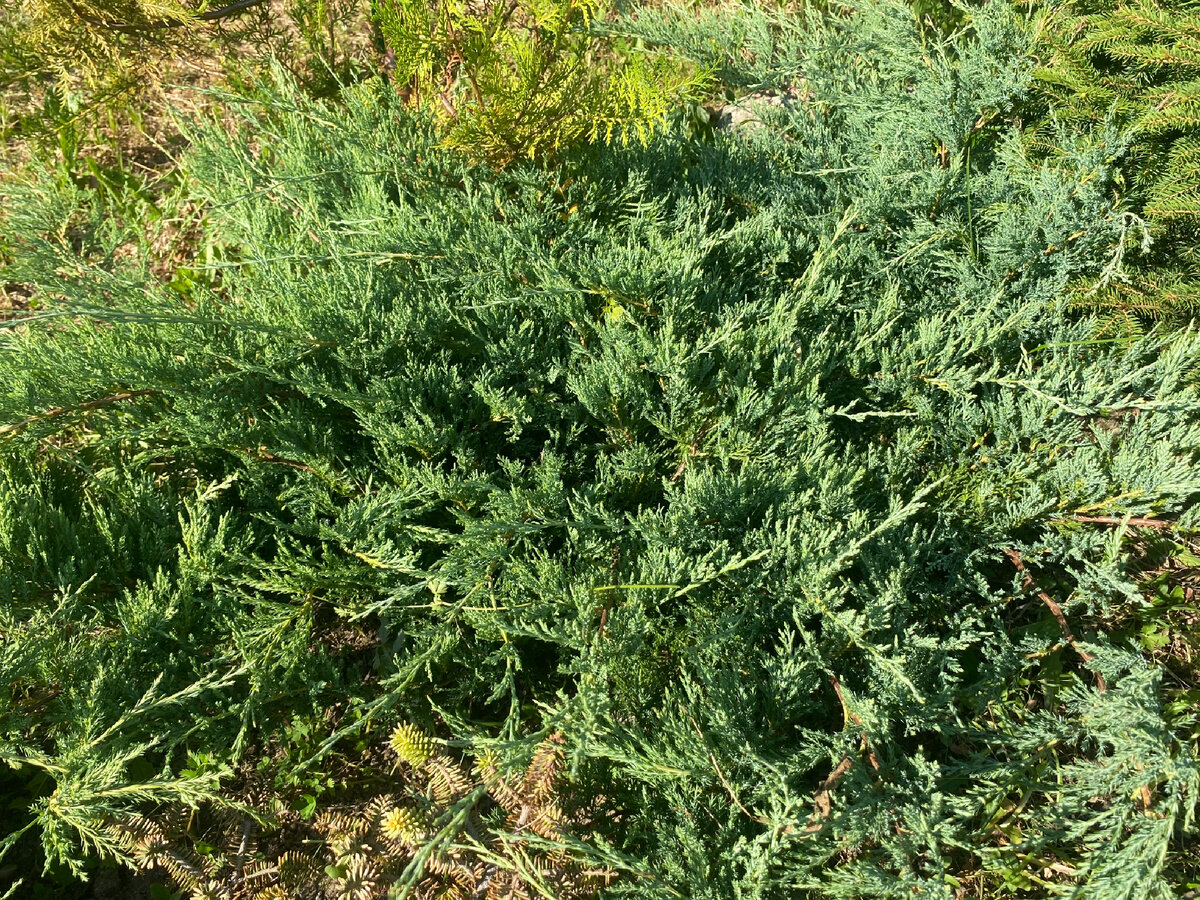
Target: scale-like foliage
776, 471
526, 79
1135, 66
107, 42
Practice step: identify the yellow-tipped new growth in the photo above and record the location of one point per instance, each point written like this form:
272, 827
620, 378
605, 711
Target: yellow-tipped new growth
411, 744
487, 761
402, 825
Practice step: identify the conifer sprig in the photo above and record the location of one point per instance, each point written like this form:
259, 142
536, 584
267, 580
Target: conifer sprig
708, 455
1134, 66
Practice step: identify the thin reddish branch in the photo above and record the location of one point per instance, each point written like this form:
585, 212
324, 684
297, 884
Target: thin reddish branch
82, 407
853, 717
1134, 521
1056, 611
821, 801
267, 456
704, 429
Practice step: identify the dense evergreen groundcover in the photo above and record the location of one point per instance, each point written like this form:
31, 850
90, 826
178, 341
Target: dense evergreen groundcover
773, 468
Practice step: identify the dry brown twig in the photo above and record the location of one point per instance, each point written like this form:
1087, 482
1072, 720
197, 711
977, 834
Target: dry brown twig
821, 799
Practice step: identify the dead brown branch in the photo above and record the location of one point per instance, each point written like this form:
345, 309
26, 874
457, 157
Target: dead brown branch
821, 797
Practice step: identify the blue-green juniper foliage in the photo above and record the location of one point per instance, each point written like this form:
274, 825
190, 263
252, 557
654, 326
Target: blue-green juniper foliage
714, 456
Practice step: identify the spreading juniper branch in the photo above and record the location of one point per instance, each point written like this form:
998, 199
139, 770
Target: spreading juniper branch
793, 664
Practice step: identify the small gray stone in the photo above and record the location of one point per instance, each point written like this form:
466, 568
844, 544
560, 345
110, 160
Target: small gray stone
745, 112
